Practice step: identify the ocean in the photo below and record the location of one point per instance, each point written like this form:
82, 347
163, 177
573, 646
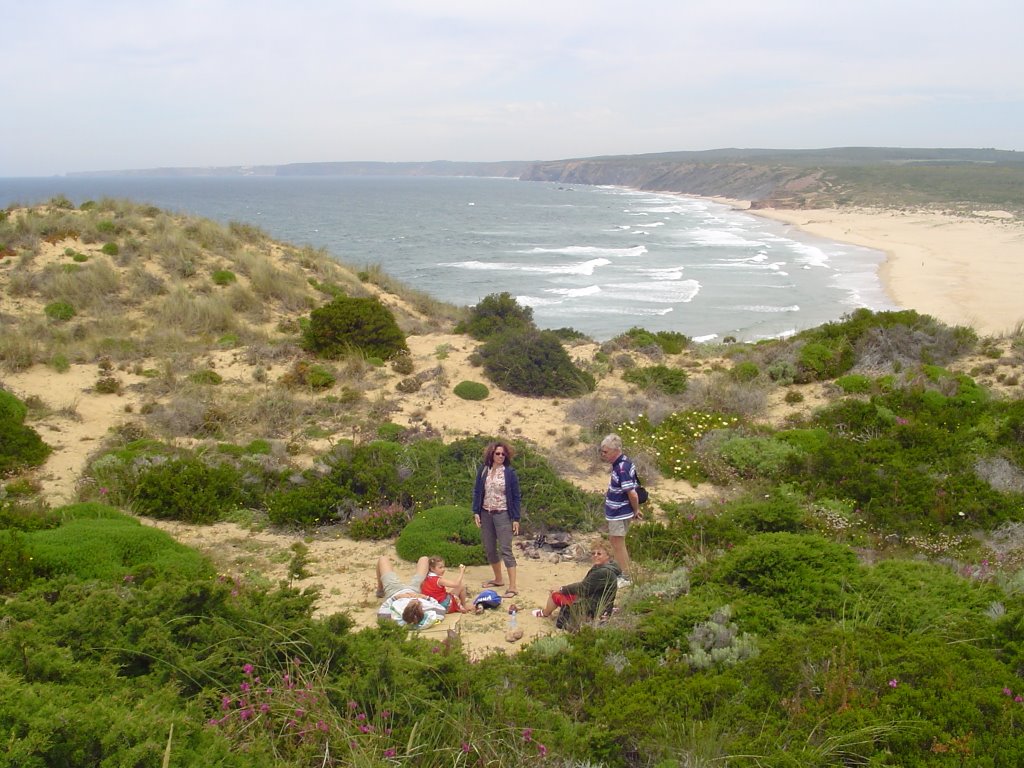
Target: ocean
597, 259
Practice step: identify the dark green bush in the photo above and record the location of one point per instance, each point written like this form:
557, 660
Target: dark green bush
318, 501
347, 324
188, 489
447, 532
806, 577
110, 249
496, 314
60, 311
20, 446
403, 364
471, 390
820, 360
534, 364
16, 564
670, 342
756, 456
12, 408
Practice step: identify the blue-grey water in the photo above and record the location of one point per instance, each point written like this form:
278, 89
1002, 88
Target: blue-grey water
597, 259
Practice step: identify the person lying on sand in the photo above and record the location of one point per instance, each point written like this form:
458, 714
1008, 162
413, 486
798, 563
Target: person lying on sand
404, 603
591, 597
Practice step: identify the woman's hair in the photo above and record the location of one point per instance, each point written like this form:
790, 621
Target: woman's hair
433, 561
489, 452
413, 613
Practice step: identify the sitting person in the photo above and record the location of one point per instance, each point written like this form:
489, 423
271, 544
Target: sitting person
404, 603
451, 593
587, 599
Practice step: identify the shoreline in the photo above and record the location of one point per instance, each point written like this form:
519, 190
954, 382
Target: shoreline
962, 271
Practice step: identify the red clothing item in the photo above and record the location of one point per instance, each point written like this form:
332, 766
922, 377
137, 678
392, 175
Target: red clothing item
431, 588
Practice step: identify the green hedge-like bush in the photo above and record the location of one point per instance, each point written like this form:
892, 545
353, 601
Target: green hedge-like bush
746, 370
659, 378
447, 532
496, 314
471, 390
106, 544
16, 564
20, 446
805, 576
381, 523
223, 277
534, 363
187, 489
854, 383
345, 324
11, 408
61, 311
670, 342
317, 502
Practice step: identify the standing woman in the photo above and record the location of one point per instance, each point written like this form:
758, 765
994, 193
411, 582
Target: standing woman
496, 500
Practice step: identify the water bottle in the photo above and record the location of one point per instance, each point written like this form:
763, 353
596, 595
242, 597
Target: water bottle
512, 625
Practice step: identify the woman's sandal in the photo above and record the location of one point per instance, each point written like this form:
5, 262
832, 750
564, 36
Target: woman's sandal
510, 593
491, 583
538, 612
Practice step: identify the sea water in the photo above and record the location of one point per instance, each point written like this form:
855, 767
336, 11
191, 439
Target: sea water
597, 259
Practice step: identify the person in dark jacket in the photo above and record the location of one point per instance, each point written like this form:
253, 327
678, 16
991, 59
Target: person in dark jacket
590, 598
496, 512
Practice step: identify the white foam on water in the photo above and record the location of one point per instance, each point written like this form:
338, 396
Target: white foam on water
721, 238
765, 308
579, 268
589, 250
570, 293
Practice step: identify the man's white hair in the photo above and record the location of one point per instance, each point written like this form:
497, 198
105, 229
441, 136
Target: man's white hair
612, 441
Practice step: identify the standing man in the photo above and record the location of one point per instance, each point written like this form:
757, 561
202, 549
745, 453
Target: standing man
620, 502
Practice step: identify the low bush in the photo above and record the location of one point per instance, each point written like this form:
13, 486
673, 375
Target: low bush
744, 371
447, 532
855, 383
471, 390
189, 490
318, 501
403, 364
99, 542
60, 311
347, 324
206, 376
670, 342
381, 523
496, 314
223, 277
533, 364
657, 378
20, 445
111, 249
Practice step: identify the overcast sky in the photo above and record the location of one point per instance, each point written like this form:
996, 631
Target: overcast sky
130, 84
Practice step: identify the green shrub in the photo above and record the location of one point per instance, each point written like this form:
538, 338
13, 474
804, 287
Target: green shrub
658, 378
60, 311
380, 523
447, 532
107, 385
12, 408
805, 577
390, 431
670, 342
854, 383
347, 324
187, 489
744, 371
496, 314
533, 364
825, 360
110, 249
16, 564
20, 447
756, 456
318, 501
471, 390
206, 376
793, 396
409, 385
223, 277
109, 545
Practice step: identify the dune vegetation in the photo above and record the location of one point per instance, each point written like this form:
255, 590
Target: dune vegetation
830, 573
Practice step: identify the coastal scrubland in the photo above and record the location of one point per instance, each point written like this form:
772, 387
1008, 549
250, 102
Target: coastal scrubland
830, 569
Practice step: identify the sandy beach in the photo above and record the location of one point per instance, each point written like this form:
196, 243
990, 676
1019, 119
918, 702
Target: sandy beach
961, 270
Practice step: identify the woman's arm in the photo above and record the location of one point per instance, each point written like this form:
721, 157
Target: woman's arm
513, 496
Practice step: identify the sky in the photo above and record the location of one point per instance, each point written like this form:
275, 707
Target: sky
123, 84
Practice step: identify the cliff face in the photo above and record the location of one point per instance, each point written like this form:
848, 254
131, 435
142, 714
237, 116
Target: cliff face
761, 184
